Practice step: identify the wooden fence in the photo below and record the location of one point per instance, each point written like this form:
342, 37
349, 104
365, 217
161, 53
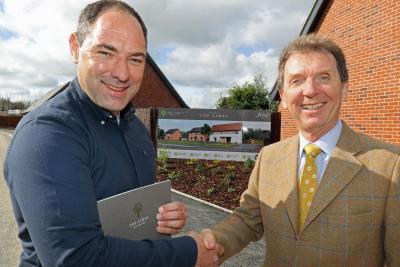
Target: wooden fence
8, 121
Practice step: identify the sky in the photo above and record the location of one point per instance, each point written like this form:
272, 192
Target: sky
202, 47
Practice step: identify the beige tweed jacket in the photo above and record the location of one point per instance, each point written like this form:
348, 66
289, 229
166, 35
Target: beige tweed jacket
354, 219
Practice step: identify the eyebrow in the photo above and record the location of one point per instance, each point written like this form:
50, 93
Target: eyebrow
106, 46
115, 50
321, 71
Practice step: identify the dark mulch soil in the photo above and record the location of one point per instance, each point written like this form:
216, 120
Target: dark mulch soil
218, 182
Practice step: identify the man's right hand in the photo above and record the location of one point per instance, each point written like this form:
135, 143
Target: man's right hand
210, 241
208, 250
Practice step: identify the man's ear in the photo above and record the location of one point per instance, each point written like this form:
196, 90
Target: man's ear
345, 91
283, 102
74, 47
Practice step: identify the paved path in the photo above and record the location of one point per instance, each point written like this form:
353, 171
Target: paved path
10, 247
200, 216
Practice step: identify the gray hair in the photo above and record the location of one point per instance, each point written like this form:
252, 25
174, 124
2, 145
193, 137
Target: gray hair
313, 43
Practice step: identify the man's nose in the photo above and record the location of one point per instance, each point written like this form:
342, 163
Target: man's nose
121, 70
309, 87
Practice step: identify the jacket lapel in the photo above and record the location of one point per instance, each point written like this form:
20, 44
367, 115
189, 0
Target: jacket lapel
341, 169
290, 187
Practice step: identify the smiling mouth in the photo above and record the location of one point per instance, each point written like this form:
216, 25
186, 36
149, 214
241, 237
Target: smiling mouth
313, 107
115, 88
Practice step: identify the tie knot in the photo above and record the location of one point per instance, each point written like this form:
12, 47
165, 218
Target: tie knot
312, 150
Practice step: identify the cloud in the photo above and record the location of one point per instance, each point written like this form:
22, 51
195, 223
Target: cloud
210, 45
215, 66
199, 23
37, 54
203, 47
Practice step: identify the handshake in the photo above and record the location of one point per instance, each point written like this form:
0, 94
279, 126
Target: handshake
171, 220
208, 250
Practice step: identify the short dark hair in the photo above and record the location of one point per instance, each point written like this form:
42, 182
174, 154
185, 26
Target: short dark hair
92, 12
313, 43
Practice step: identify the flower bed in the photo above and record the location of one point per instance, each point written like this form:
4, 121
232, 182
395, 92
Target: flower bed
218, 182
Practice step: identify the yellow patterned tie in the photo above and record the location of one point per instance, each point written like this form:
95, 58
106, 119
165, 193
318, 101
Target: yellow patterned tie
308, 181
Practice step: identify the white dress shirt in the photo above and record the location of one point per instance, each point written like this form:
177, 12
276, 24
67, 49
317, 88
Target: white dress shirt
326, 143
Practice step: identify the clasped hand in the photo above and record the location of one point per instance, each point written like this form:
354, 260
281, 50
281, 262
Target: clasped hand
208, 250
171, 219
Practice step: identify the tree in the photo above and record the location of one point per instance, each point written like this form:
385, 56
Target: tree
137, 209
206, 129
250, 95
160, 133
252, 133
7, 104
249, 134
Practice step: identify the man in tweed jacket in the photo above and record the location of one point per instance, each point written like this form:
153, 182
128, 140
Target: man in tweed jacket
354, 217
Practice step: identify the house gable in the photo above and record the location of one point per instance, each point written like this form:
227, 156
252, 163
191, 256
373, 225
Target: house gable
156, 90
173, 134
195, 135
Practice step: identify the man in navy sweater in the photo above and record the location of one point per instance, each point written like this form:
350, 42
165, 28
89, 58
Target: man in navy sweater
86, 144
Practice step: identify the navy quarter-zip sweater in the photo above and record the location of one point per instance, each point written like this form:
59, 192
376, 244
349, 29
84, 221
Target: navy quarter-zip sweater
66, 155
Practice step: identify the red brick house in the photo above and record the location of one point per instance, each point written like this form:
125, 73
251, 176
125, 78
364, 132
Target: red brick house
196, 135
369, 34
173, 134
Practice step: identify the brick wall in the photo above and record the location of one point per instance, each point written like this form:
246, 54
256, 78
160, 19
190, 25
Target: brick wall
154, 93
369, 33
